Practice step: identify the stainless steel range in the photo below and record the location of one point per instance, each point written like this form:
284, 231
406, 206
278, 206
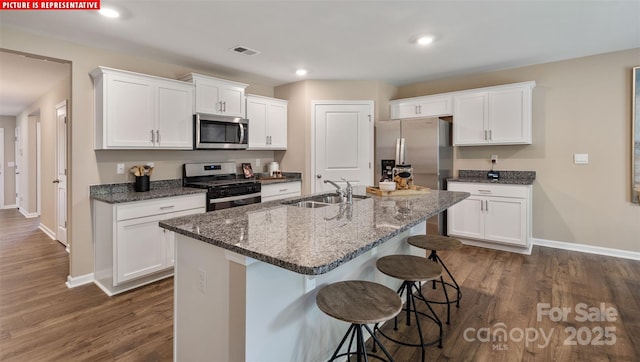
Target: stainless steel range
225, 189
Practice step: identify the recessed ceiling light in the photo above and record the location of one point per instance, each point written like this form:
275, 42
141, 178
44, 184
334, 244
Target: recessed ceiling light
301, 72
424, 40
109, 13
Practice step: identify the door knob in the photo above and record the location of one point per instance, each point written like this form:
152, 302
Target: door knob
56, 181
319, 176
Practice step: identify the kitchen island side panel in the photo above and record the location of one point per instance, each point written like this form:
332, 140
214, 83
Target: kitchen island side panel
254, 311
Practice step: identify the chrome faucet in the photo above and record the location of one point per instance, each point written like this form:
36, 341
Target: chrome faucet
339, 190
349, 191
348, 194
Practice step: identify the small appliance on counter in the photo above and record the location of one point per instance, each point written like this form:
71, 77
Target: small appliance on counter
493, 175
273, 168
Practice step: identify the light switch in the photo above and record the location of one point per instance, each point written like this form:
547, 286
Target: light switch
581, 158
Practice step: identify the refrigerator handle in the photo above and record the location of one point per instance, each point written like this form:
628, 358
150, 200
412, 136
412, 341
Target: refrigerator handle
402, 152
397, 151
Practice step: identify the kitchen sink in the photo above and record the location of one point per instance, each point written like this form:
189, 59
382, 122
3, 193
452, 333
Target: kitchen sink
309, 204
320, 200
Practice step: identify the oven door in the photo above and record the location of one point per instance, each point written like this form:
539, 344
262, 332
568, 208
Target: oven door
233, 201
220, 132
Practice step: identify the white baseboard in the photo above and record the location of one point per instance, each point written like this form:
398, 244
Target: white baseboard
73, 282
497, 246
14, 206
26, 214
618, 253
47, 231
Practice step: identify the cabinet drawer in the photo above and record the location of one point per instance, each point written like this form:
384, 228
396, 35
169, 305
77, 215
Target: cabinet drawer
159, 206
281, 189
520, 191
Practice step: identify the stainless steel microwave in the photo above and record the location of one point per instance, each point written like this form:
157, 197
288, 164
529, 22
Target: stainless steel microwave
220, 132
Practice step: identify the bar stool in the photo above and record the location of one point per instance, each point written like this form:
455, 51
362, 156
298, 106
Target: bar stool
437, 243
412, 270
359, 303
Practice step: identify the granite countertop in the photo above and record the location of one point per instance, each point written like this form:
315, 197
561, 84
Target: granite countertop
506, 177
312, 241
288, 177
123, 192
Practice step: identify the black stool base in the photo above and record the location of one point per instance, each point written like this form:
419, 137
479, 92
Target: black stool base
361, 351
410, 288
434, 257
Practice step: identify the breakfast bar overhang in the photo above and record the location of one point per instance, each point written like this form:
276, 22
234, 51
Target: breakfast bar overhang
246, 278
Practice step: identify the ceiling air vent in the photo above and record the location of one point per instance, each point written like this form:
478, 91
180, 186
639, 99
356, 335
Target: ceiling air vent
244, 50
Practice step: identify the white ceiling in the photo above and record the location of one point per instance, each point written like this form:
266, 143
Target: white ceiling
369, 40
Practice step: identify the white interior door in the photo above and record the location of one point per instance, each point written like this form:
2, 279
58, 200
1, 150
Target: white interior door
1, 168
343, 143
18, 157
61, 173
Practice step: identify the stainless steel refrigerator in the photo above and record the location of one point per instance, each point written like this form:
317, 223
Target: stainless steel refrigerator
423, 143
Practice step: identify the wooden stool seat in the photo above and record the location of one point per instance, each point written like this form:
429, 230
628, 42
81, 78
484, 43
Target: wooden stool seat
409, 267
412, 270
359, 302
434, 242
437, 243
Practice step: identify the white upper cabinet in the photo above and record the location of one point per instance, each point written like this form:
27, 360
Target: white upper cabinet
267, 123
429, 106
217, 96
493, 116
138, 111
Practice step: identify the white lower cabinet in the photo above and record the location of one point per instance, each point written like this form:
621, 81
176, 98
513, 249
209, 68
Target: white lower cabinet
280, 190
130, 248
497, 216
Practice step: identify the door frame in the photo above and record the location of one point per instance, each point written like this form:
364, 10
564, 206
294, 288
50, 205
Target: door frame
62, 105
314, 104
18, 163
2, 168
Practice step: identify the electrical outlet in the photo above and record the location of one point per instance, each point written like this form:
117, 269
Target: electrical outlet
494, 158
120, 169
202, 281
258, 164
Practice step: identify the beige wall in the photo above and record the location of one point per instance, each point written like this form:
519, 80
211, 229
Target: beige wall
44, 111
300, 96
8, 123
89, 167
579, 106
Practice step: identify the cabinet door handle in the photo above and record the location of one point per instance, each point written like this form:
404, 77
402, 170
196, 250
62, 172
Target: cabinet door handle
486, 207
167, 207
153, 137
484, 191
283, 190
490, 135
420, 109
224, 104
481, 205
158, 135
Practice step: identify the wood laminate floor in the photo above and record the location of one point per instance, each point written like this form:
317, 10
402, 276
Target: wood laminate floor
42, 320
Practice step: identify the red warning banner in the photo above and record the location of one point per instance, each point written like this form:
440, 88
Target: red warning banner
50, 5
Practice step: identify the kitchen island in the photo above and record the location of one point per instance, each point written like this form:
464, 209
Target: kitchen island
246, 278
